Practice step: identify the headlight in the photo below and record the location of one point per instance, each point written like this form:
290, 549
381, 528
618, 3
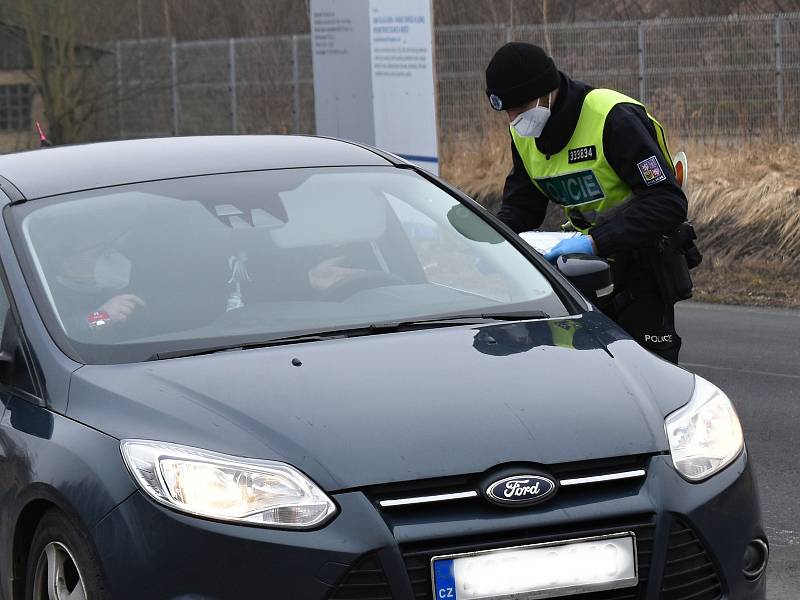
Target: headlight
226, 488
705, 435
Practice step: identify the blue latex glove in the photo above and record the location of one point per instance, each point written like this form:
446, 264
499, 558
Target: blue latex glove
581, 244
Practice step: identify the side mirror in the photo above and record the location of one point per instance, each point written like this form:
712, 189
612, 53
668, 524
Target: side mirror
590, 274
471, 226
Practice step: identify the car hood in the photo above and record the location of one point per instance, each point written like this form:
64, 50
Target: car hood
401, 406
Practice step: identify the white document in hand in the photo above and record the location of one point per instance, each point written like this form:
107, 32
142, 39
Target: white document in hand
543, 241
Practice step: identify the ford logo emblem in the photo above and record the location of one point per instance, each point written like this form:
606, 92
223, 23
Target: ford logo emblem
520, 490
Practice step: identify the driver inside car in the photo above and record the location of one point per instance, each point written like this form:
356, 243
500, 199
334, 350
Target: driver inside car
91, 286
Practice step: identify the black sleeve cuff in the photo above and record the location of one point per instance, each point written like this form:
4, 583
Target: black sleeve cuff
523, 206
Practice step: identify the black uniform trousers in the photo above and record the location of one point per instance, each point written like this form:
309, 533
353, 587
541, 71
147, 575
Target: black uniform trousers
636, 306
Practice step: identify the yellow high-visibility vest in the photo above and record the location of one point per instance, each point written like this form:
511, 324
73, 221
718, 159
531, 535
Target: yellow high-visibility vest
579, 177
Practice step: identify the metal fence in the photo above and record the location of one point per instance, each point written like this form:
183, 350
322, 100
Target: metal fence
733, 76
161, 87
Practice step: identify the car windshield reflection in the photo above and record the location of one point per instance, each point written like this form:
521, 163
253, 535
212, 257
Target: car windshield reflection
127, 272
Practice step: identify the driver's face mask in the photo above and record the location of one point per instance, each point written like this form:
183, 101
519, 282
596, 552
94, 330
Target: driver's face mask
531, 122
112, 270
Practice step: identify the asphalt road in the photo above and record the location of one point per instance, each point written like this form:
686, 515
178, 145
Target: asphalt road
753, 354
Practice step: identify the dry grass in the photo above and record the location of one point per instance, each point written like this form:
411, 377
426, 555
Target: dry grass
744, 198
747, 282
478, 163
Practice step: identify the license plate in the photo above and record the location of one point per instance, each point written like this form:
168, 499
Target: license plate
546, 570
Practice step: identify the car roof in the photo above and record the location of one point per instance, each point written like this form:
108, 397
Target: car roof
51, 171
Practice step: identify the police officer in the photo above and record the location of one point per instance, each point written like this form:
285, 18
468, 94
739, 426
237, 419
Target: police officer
604, 159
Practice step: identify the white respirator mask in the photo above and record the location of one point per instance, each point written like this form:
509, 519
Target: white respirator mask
112, 271
531, 122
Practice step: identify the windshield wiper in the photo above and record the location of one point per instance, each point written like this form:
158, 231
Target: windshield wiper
492, 315
372, 328
449, 320
292, 339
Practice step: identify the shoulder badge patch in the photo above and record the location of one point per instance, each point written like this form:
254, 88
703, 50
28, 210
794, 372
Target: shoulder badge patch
651, 171
577, 155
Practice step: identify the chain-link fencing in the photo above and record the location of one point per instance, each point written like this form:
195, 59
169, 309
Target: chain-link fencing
734, 76
251, 85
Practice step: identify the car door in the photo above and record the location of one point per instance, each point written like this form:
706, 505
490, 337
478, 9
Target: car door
22, 416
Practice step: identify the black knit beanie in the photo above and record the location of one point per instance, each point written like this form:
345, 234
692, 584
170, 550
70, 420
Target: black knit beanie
519, 73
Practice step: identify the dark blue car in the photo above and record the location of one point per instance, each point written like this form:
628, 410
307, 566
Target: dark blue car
298, 368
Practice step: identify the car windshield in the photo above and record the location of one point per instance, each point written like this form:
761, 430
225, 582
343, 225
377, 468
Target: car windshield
123, 273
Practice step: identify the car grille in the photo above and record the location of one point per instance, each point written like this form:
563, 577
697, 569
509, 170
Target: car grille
418, 556
364, 581
688, 573
470, 483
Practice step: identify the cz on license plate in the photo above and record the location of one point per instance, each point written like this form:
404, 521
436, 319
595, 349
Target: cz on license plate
546, 570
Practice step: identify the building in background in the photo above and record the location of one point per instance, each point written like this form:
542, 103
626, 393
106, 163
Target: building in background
20, 103
18, 100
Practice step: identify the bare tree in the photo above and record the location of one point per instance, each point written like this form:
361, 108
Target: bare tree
74, 69
62, 69
545, 22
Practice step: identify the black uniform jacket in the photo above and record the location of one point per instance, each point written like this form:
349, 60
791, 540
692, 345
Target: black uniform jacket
629, 138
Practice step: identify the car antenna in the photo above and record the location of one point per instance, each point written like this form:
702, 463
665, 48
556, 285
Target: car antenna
43, 141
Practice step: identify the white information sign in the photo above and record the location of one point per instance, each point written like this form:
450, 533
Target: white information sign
374, 75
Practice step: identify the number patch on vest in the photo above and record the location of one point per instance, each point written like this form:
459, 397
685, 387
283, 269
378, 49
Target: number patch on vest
585, 153
573, 188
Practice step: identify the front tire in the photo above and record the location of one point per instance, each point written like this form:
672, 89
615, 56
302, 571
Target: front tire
61, 565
